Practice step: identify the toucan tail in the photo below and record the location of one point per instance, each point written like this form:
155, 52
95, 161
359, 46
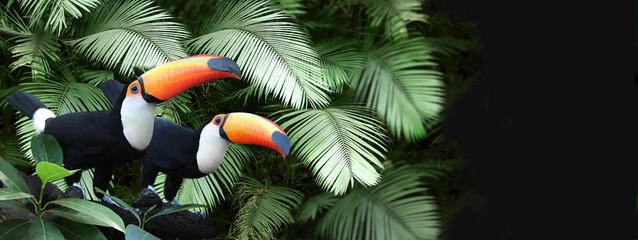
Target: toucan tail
31, 107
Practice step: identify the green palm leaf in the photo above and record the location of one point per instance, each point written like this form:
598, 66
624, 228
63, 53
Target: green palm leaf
315, 206
340, 144
273, 53
124, 35
399, 83
264, 209
396, 14
57, 10
290, 7
338, 58
397, 208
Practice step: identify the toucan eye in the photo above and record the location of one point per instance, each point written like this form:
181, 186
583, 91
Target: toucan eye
135, 89
218, 120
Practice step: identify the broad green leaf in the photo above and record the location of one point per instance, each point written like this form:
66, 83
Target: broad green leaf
176, 208
49, 171
11, 178
10, 194
135, 233
44, 230
46, 149
341, 144
12, 204
13, 229
87, 212
121, 203
78, 231
273, 53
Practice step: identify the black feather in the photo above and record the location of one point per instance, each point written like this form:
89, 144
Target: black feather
24, 102
111, 90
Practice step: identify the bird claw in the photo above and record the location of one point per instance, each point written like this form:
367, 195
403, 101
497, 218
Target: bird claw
152, 189
195, 212
81, 188
109, 200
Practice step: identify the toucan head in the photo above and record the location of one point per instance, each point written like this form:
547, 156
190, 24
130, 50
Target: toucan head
169, 79
247, 128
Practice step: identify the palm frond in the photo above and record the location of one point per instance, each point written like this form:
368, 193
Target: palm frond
340, 144
397, 208
316, 205
213, 188
10, 151
394, 14
175, 107
291, 7
264, 209
274, 54
124, 35
338, 58
57, 11
398, 81
95, 77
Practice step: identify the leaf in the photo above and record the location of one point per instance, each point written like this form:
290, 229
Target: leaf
46, 149
396, 14
48, 171
122, 204
338, 59
10, 151
10, 194
340, 144
14, 229
124, 35
57, 11
11, 178
398, 82
78, 231
44, 230
175, 208
87, 212
274, 54
135, 233
397, 208
12, 204
264, 209
316, 205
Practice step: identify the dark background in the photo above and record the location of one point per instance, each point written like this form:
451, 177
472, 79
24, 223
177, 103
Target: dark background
549, 128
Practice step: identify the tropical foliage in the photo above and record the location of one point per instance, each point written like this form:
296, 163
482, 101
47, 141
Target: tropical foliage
357, 86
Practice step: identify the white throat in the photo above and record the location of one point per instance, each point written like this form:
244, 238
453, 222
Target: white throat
212, 148
138, 117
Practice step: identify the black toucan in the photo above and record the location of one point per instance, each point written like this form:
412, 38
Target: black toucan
102, 139
181, 152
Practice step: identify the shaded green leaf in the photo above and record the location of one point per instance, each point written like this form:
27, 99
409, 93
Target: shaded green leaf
56, 10
87, 212
46, 149
10, 194
12, 204
135, 233
122, 204
338, 59
48, 171
316, 205
11, 178
13, 229
78, 231
44, 230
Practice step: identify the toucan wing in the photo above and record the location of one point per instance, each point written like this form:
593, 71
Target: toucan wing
172, 145
88, 132
111, 90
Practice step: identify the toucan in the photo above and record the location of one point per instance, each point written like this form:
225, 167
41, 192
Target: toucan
103, 139
181, 152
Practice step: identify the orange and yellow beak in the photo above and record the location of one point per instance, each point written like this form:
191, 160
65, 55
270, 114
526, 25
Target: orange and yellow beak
169, 79
247, 128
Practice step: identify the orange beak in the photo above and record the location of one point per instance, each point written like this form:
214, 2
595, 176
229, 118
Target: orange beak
247, 128
169, 79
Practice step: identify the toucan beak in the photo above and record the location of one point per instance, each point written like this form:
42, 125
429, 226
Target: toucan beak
247, 128
169, 79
